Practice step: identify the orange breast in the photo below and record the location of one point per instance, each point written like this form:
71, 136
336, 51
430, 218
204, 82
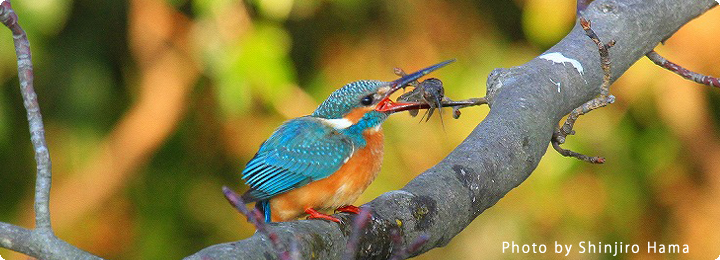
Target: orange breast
341, 188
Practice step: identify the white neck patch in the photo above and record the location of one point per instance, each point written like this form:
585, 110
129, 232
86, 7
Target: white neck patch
338, 123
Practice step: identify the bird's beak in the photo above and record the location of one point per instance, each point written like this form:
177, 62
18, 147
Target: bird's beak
389, 106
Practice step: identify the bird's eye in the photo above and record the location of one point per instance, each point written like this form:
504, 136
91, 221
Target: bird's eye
367, 100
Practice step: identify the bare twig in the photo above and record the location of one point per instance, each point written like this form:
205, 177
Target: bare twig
397, 240
256, 218
403, 253
417, 244
602, 100
582, 5
294, 250
41, 241
430, 94
603, 48
570, 153
37, 130
683, 72
456, 105
359, 223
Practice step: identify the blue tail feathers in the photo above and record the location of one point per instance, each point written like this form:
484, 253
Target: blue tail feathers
264, 207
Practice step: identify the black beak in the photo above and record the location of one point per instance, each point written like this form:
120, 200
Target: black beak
387, 105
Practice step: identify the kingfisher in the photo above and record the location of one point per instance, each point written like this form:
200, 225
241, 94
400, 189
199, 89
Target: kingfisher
327, 159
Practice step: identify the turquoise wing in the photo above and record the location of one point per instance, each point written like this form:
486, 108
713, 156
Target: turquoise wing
300, 151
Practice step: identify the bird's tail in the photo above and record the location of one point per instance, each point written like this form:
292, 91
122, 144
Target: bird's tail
264, 207
254, 195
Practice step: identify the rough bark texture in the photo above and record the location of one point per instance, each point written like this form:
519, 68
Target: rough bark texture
503, 149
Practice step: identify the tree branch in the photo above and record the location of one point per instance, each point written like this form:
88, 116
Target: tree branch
603, 100
40, 242
683, 72
37, 130
503, 149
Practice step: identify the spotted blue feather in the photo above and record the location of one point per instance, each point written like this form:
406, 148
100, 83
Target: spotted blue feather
300, 151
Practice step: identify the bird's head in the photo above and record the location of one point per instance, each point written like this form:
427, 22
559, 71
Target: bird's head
366, 104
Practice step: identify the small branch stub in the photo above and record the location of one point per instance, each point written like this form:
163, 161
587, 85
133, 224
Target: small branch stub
256, 218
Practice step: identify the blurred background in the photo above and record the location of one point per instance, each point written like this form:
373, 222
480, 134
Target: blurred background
151, 106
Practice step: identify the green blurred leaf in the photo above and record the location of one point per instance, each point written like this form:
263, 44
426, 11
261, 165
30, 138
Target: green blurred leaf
259, 62
45, 16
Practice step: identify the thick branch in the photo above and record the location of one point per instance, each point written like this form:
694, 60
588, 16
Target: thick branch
39, 245
503, 149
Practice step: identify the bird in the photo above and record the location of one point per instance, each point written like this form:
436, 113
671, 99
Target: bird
327, 159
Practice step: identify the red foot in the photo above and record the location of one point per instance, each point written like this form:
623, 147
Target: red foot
349, 209
314, 214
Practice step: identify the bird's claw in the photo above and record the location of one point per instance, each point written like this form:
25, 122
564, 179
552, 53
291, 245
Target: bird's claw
348, 209
314, 214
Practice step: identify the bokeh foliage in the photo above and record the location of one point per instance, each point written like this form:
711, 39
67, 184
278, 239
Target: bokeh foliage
151, 106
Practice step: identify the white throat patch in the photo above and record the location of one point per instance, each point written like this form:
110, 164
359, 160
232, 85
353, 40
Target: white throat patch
338, 123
